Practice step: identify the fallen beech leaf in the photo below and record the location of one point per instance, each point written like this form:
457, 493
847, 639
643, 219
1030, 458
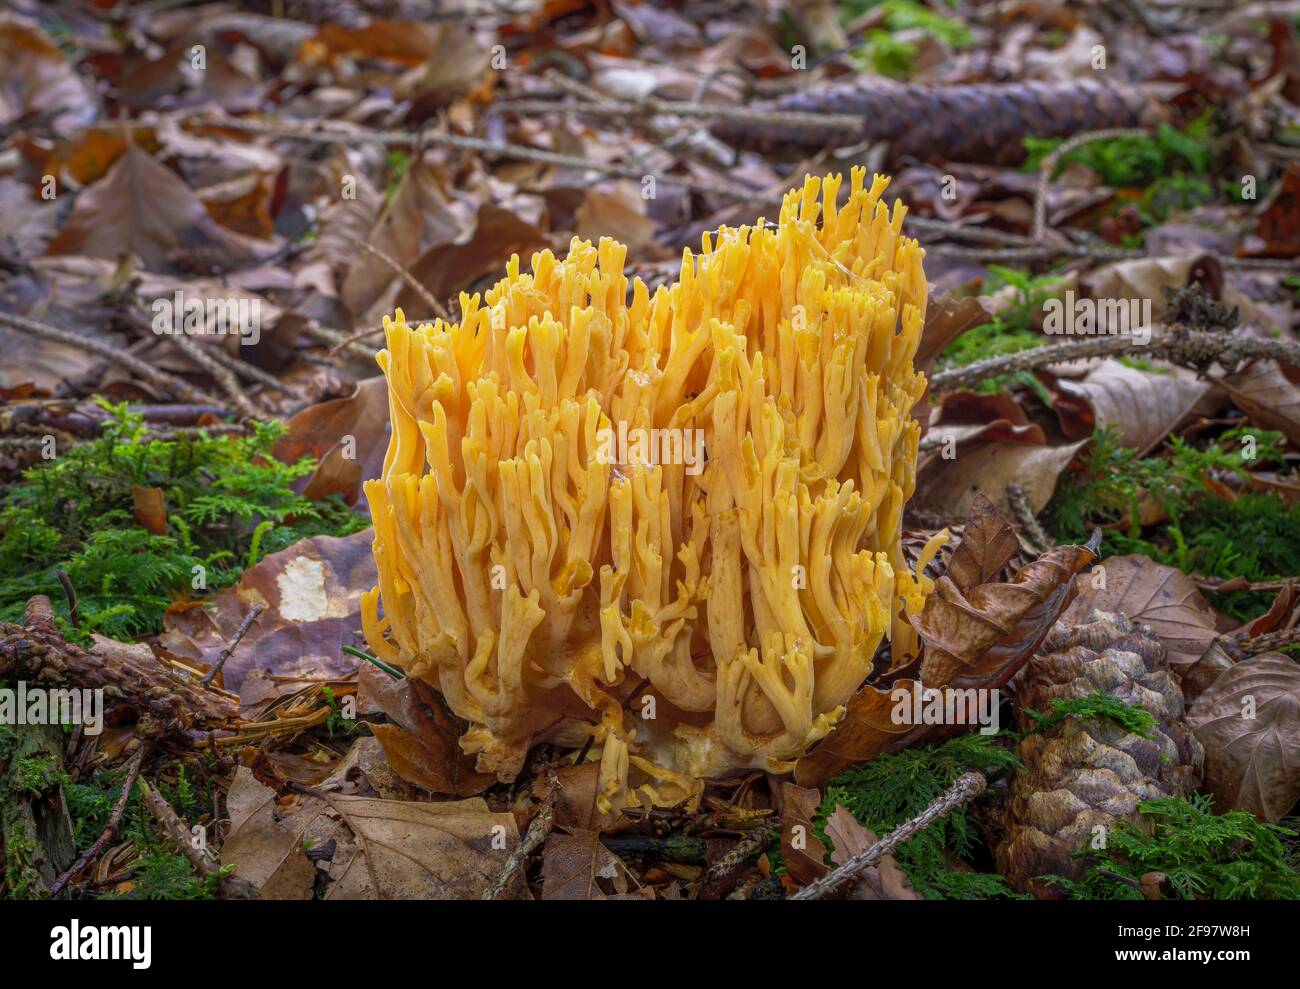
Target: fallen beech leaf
446, 269
349, 438
35, 78
578, 867
988, 542
948, 488
803, 852
980, 639
312, 596
867, 730
885, 880
422, 744
382, 849
143, 207
575, 805
1249, 723
1142, 406
945, 320
1162, 597
422, 212
1265, 394
619, 214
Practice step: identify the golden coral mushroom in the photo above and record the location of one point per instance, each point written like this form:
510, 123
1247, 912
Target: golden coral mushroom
670, 521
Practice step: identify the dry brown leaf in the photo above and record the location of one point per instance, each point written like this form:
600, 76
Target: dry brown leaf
867, 730
423, 742
142, 207
1142, 406
312, 596
35, 79
981, 638
383, 849
1249, 723
988, 542
948, 488
1264, 393
577, 866
802, 851
885, 880
421, 213
1153, 594
330, 431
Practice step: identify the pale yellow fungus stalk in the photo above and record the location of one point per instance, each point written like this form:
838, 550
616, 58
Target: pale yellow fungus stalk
695, 614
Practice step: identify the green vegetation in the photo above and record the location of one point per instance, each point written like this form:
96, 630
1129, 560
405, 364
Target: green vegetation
1010, 332
1201, 854
896, 57
228, 503
1097, 705
890, 789
1256, 536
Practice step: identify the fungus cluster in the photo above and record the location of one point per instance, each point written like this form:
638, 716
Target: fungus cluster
670, 522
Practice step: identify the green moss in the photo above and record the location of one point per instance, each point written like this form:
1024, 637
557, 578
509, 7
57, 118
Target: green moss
1203, 855
1096, 705
1256, 535
228, 504
891, 789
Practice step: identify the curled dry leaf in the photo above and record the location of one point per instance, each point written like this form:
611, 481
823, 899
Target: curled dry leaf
977, 633
979, 638
1142, 406
1249, 723
1266, 394
422, 743
1152, 594
377, 849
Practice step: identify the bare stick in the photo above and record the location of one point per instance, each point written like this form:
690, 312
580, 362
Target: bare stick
240, 632
1191, 348
1028, 519
968, 787
400, 270
178, 833
1048, 165
117, 355
537, 831
114, 821
221, 374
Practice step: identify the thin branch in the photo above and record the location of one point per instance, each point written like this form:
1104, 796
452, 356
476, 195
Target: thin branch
114, 821
401, 271
221, 374
537, 831
966, 788
1191, 348
167, 382
240, 632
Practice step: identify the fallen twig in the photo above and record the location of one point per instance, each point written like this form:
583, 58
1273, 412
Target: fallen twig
538, 829
968, 787
114, 821
240, 632
167, 382
1191, 348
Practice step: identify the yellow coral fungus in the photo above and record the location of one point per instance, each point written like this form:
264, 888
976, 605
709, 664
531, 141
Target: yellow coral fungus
671, 521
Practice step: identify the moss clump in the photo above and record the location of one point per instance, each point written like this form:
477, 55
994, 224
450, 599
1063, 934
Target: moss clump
228, 504
1202, 855
891, 789
1256, 535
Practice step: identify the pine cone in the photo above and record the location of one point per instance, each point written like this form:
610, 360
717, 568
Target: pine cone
1081, 774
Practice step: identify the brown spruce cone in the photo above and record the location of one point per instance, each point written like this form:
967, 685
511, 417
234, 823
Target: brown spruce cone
1079, 775
976, 123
